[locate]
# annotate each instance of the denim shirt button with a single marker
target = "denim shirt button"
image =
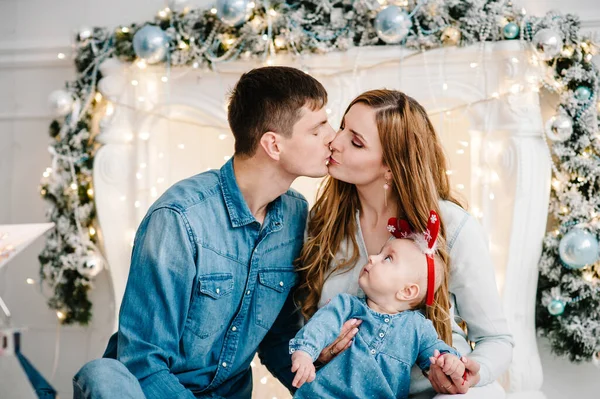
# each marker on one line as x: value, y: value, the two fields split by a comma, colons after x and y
x: 248, y: 292
x: 234, y: 328
x: 381, y: 335
x: 373, y: 351
x: 292, y: 350
x: 386, y: 320
x: 224, y: 364
x: 218, y: 290
x: 281, y: 283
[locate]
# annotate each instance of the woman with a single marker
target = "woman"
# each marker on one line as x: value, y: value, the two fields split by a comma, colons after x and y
x: 387, y: 161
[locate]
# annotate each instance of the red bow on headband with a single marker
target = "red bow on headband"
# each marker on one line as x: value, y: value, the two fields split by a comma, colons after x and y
x: 426, y: 240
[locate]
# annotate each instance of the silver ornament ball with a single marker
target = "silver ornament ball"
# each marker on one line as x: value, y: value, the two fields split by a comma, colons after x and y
x: 559, y: 128
x: 61, y: 102
x: 233, y: 12
x: 90, y: 267
x: 392, y: 24
x: 151, y: 44
x: 178, y: 5
x: 578, y: 248
x: 547, y: 43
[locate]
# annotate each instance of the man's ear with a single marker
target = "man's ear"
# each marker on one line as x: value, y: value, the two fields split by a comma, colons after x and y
x: 270, y: 143
x: 410, y: 292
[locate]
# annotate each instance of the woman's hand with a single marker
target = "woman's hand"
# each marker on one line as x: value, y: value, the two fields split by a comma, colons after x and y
x: 343, y: 342
x: 441, y: 383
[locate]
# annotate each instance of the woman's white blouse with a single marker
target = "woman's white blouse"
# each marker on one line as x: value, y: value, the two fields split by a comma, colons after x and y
x: 473, y: 294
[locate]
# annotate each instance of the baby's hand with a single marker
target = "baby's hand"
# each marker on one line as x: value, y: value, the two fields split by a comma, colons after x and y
x: 451, y: 365
x: 302, y: 365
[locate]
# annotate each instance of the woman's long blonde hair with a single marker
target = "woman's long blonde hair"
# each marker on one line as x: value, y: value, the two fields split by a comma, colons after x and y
x: 414, y: 155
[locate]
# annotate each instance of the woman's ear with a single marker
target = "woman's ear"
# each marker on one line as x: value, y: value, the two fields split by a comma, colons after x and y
x: 387, y: 175
x: 410, y: 292
x: 270, y: 143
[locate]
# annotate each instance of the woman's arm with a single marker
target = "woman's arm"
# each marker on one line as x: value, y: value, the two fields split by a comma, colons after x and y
x: 473, y: 284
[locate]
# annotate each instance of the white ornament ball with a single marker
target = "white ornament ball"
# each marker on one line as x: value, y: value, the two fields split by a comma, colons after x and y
x: 61, y: 102
x: 90, y: 267
x: 547, y: 43
x: 559, y: 128
x: 85, y: 33
x: 111, y: 87
x: 112, y: 66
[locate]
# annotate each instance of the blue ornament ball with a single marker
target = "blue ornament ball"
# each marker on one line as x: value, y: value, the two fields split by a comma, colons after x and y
x: 233, y: 12
x: 556, y: 307
x: 392, y: 24
x: 511, y: 31
x: 151, y: 44
x: 578, y: 248
x: 583, y: 93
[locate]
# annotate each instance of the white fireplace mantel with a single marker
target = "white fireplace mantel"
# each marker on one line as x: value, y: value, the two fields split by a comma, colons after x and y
x: 162, y: 131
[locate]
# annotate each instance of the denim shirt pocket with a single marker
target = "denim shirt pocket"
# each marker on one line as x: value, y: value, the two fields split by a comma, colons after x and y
x: 207, y: 313
x: 273, y: 289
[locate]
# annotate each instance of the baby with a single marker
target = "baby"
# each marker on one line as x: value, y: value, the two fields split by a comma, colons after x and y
x: 394, y: 334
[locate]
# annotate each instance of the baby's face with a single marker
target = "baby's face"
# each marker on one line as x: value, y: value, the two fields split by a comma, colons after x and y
x: 400, y: 263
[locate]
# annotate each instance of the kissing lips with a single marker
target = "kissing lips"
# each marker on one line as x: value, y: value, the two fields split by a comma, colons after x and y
x: 332, y: 161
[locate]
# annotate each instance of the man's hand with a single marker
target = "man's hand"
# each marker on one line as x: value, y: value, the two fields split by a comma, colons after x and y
x: 441, y: 383
x: 343, y: 342
x: 302, y: 365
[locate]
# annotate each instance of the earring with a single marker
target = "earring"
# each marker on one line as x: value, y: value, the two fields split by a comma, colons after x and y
x: 386, y: 187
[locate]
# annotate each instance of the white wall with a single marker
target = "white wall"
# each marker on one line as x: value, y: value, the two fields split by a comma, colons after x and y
x: 32, y: 32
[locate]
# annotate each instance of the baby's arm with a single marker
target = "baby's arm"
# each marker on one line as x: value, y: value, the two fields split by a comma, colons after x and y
x: 429, y: 342
x: 302, y: 365
x: 323, y: 328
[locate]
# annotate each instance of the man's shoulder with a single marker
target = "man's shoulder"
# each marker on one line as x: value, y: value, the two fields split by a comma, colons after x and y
x: 295, y: 206
x: 294, y: 196
x: 191, y: 191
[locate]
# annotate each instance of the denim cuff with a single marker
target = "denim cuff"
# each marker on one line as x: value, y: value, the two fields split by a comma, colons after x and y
x: 305, y: 346
x: 164, y: 384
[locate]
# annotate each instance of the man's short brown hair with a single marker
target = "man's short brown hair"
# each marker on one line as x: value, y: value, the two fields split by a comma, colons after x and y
x: 270, y: 99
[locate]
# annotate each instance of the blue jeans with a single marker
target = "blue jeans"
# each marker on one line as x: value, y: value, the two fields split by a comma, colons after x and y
x: 106, y: 379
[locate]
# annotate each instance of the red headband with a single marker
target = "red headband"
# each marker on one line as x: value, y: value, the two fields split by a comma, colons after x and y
x: 426, y: 241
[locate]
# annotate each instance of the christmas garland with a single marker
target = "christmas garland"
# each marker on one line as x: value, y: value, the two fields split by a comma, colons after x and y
x: 568, y: 311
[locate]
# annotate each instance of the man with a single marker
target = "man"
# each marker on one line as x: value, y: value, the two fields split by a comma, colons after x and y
x: 212, y: 265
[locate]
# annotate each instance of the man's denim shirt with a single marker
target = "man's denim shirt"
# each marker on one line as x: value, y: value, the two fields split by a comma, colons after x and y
x: 206, y: 285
